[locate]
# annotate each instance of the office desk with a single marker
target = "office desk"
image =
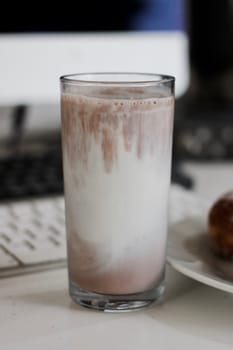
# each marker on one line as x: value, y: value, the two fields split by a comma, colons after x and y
x: 37, y: 313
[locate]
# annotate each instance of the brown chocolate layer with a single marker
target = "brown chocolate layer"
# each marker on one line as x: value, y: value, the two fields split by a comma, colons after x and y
x: 141, y: 124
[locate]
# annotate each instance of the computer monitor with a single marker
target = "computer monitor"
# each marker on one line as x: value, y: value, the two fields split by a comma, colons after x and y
x: 31, y: 64
x: 41, y: 44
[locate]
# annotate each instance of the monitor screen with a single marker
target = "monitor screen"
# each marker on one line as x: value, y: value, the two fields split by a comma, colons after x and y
x: 41, y: 43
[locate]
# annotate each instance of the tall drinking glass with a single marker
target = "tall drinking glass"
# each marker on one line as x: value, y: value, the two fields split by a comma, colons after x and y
x: 117, y: 140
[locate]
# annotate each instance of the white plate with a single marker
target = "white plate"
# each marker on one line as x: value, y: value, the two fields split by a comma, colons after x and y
x: 189, y: 252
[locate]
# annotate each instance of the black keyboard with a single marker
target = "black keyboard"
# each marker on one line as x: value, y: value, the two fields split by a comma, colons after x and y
x: 31, y: 175
x: 203, y: 131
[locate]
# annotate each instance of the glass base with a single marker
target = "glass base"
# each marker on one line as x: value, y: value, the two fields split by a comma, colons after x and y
x: 116, y: 303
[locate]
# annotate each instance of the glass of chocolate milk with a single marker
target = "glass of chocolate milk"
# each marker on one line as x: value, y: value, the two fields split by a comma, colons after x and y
x: 116, y: 140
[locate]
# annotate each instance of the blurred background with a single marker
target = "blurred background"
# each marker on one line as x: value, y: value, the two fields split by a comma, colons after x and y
x: 192, y: 40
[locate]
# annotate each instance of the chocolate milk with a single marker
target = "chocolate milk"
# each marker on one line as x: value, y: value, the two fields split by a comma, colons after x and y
x: 116, y: 158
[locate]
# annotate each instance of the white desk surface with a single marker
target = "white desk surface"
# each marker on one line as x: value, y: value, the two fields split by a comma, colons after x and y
x: 37, y: 313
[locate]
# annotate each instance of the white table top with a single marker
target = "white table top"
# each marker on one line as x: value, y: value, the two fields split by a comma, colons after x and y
x: 37, y: 313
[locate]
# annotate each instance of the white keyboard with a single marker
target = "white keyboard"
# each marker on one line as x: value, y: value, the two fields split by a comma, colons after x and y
x: 32, y: 233
x: 32, y: 236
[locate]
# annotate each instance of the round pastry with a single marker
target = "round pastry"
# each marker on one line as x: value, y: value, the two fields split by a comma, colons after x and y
x: 220, y: 225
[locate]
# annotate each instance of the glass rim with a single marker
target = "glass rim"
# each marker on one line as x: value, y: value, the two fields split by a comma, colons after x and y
x: 148, y: 80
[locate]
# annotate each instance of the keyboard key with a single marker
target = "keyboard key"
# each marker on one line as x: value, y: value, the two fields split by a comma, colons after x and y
x: 6, y: 260
x: 41, y: 255
x: 31, y: 236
